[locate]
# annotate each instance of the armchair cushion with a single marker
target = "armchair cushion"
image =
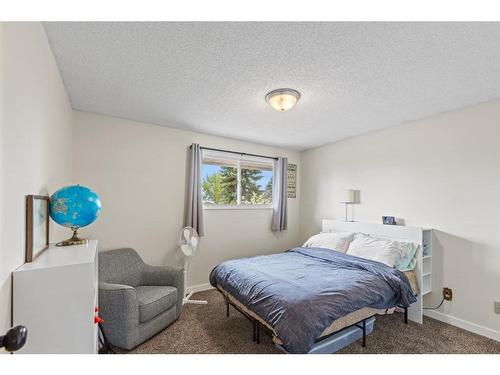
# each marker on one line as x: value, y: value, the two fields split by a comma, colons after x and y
x: 153, y: 300
x: 166, y: 276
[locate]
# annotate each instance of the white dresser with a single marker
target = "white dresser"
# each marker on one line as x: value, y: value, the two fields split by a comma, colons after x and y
x: 55, y: 297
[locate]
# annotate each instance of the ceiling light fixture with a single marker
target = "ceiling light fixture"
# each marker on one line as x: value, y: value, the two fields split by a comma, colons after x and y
x: 282, y: 99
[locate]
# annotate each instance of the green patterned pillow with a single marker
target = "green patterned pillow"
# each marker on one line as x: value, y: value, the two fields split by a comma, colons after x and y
x: 409, y: 261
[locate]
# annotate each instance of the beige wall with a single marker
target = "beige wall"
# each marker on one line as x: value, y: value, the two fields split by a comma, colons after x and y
x: 35, y: 129
x: 442, y: 172
x: 139, y: 170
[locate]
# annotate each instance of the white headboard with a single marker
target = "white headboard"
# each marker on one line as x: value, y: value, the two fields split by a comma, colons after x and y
x: 395, y: 232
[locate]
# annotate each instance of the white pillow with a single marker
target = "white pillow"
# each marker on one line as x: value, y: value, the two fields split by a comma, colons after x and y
x: 378, y: 249
x: 332, y: 241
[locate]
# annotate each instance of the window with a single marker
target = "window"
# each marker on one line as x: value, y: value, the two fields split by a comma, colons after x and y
x: 233, y: 180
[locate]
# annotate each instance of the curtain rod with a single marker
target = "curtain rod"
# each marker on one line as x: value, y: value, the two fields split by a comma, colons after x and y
x: 238, y: 153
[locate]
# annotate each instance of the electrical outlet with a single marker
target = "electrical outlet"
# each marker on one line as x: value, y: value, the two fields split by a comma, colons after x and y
x: 497, y: 307
x: 447, y: 294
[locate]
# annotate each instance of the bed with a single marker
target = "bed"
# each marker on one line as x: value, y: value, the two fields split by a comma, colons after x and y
x: 306, y: 295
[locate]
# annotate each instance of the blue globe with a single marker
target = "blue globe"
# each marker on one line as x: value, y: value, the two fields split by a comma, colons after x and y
x: 74, y: 206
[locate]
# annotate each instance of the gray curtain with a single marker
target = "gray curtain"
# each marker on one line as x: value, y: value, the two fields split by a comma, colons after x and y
x: 280, y: 195
x: 194, y: 203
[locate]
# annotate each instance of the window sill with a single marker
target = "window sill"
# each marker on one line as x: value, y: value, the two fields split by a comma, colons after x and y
x: 237, y: 207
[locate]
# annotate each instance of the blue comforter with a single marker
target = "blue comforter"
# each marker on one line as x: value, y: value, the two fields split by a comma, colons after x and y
x: 302, y: 291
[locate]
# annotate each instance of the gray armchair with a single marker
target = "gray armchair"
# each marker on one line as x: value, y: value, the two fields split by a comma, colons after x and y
x: 136, y: 300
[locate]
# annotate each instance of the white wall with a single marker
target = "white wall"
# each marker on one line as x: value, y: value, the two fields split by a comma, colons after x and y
x: 442, y: 172
x: 139, y: 170
x: 35, y: 129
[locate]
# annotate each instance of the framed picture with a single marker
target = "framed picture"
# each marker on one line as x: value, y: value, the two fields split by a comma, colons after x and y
x: 389, y: 220
x: 37, y: 225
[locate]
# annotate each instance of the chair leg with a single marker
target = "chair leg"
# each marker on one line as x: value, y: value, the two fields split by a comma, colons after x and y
x: 254, y: 326
x: 258, y: 333
x: 227, y: 308
x: 406, y: 315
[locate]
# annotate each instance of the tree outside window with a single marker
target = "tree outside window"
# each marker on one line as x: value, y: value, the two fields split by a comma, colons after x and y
x: 237, y: 181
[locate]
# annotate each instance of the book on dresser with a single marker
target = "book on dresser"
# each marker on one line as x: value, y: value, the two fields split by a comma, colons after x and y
x: 55, y: 297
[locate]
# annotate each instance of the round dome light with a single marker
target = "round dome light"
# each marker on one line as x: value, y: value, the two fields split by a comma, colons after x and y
x: 282, y: 99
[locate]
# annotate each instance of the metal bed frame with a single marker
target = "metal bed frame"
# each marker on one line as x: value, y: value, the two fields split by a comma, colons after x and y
x: 257, y: 325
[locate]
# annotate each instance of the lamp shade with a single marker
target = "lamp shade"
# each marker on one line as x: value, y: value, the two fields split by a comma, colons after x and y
x: 349, y: 196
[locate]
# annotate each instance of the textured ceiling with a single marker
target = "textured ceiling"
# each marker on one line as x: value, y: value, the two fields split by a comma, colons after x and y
x: 212, y: 77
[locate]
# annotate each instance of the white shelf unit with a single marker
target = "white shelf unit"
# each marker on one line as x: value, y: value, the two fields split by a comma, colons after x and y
x: 417, y: 235
x: 55, y: 297
x: 427, y: 262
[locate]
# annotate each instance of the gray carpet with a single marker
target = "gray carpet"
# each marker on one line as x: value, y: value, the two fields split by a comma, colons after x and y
x: 205, y: 329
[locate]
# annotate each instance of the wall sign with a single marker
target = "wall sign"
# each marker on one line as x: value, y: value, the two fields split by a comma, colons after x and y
x: 292, y: 180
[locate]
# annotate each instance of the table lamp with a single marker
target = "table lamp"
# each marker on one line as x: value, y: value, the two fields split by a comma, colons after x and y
x: 349, y: 198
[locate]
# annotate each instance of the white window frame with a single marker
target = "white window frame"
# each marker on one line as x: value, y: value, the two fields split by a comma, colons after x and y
x: 238, y: 158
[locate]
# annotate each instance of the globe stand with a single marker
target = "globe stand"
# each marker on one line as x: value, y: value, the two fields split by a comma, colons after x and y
x: 75, y: 240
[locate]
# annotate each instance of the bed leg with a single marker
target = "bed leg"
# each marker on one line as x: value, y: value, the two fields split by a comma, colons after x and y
x: 257, y: 335
x: 254, y: 325
x: 364, y: 333
x: 227, y: 308
x: 406, y: 315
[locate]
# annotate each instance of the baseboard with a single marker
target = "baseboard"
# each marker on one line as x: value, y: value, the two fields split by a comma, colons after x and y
x: 464, y: 324
x: 199, y: 288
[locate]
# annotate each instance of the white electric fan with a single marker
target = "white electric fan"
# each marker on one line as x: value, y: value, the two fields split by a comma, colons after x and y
x: 188, y: 243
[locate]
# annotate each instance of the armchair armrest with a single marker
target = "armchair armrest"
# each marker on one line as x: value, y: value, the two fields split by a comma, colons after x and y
x: 120, y: 310
x: 118, y: 305
x: 165, y: 276
x: 109, y: 287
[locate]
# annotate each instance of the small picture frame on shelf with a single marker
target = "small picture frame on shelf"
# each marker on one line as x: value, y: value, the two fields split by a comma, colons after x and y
x: 389, y: 220
x: 37, y: 226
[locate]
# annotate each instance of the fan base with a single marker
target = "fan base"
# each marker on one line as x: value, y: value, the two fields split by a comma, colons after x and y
x: 193, y: 301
